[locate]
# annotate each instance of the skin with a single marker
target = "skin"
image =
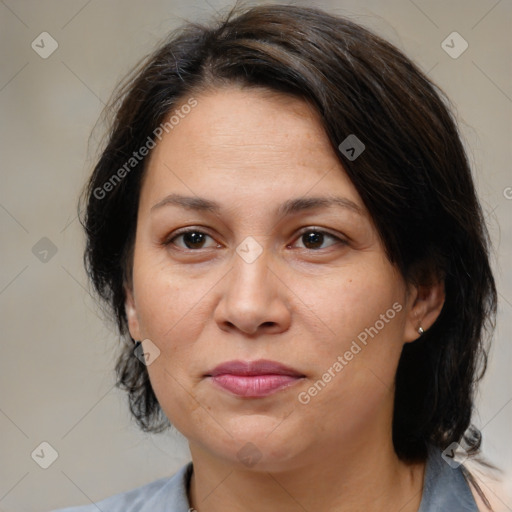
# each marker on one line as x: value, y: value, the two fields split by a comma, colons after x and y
x: 299, y: 303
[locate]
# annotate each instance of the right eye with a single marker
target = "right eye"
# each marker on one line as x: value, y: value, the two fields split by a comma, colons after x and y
x: 191, y: 239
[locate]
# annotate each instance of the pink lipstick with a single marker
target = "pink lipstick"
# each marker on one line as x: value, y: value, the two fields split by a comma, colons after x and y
x: 253, y: 379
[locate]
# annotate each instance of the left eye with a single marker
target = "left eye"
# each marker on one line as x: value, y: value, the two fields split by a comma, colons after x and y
x: 313, y: 239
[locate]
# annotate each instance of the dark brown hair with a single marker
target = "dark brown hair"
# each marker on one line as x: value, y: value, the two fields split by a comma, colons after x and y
x: 413, y: 177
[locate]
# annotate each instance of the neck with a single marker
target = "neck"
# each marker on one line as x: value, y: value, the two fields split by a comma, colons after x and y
x: 362, y: 476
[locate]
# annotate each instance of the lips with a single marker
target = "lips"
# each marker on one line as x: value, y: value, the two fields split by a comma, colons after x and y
x: 253, y: 379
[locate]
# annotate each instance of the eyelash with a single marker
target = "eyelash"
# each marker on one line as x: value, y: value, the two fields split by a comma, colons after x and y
x: 170, y: 240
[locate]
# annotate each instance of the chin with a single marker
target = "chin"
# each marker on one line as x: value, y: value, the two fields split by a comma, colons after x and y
x: 260, y: 444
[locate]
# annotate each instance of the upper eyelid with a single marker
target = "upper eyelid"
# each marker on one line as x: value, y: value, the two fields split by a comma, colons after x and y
x: 319, y: 230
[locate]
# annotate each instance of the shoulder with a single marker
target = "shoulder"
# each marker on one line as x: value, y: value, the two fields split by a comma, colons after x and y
x: 451, y: 485
x: 491, y: 485
x: 167, y: 494
x: 445, y: 485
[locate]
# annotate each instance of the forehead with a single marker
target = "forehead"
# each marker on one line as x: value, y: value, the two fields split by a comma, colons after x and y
x: 247, y: 139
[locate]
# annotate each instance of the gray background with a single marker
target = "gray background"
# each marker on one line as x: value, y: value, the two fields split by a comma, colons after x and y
x: 56, y: 370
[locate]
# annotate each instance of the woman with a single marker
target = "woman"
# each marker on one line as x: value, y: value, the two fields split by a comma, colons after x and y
x: 285, y: 224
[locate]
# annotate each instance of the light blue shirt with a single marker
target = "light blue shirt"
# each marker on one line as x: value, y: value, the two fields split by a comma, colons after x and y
x: 445, y: 489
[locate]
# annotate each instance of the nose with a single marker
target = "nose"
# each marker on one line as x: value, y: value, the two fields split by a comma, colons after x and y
x: 254, y: 298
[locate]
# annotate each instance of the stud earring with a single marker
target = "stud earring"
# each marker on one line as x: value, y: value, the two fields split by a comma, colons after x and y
x: 420, y: 330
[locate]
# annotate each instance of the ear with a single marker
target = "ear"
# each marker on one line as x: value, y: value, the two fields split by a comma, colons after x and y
x: 131, y: 314
x: 425, y: 305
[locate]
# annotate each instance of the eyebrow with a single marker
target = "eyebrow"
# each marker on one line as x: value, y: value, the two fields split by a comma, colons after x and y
x: 289, y: 207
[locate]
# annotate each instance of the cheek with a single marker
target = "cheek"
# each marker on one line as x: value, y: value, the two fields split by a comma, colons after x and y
x: 170, y: 314
x: 354, y: 299
x: 360, y: 318
x: 164, y: 299
x: 173, y: 310
x: 353, y: 358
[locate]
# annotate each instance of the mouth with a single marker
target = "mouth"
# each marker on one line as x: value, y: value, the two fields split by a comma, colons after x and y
x: 253, y: 379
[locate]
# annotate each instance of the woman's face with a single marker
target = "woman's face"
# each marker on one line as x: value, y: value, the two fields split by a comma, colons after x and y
x: 253, y: 176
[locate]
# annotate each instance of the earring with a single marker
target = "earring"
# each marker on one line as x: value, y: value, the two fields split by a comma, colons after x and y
x: 420, y: 330
x: 137, y: 344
